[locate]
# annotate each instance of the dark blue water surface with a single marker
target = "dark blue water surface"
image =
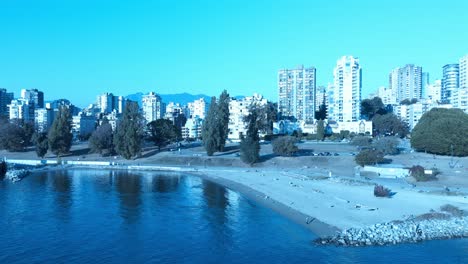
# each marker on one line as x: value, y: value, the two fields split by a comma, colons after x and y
x: 83, y: 216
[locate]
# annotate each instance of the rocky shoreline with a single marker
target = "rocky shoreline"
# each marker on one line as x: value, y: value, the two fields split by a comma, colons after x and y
x: 16, y: 175
x: 431, y: 226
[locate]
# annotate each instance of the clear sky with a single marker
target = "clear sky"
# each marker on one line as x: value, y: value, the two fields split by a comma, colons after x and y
x: 77, y: 49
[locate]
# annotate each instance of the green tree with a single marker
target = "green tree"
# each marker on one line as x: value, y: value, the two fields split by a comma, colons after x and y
x: 285, y: 146
x: 320, y: 129
x: 210, y: 131
x: 442, y: 131
x: 101, y: 140
x: 371, y: 107
x: 11, y: 137
x: 369, y: 157
x: 223, y: 120
x: 321, y: 114
x: 389, y: 125
x: 250, y: 144
x: 60, y: 135
x: 42, y: 143
x: 129, y: 132
x: 163, y: 132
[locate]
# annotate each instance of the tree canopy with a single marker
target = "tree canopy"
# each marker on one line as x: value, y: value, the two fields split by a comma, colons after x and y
x: 60, y: 135
x: 215, y: 129
x: 15, y: 135
x: 389, y: 125
x: 129, y: 132
x: 210, y: 131
x: 371, y: 107
x: 442, y: 131
x: 163, y: 132
x: 250, y: 143
x: 101, y: 140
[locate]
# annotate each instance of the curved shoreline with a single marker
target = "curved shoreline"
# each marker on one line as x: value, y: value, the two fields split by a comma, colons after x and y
x: 292, y: 199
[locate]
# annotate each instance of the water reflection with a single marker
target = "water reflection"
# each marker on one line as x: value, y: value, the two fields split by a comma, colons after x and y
x: 165, y: 184
x: 128, y: 187
x: 62, y: 185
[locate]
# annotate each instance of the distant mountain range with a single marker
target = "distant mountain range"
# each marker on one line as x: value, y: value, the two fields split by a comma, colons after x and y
x: 181, y: 98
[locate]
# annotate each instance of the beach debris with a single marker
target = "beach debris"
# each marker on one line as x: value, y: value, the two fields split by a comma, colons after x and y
x: 310, y: 220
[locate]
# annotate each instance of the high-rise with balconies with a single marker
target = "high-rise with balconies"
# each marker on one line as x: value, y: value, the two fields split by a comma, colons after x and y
x: 153, y: 107
x: 345, y: 97
x: 464, y: 72
x: 450, y: 82
x: 296, y: 93
x: 406, y: 82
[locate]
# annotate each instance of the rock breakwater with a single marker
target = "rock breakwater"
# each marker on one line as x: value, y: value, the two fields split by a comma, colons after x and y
x: 16, y: 175
x: 426, y: 227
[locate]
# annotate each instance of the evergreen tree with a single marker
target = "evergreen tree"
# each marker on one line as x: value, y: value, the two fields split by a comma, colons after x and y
x: 42, y: 144
x: 163, y: 132
x: 320, y: 129
x: 60, y: 135
x: 250, y: 144
x: 223, y: 120
x: 129, y: 132
x: 210, y: 131
x: 101, y: 140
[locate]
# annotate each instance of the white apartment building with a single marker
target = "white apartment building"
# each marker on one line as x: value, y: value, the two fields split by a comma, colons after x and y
x: 34, y: 97
x: 434, y: 91
x: 296, y: 93
x: 192, y: 128
x: 198, y: 108
x: 345, y: 95
x: 153, y: 107
x: 387, y: 95
x: 105, y: 102
x: 406, y: 82
x: 238, y: 109
x: 20, y: 109
x: 43, y: 118
x: 320, y: 97
x: 464, y: 71
x: 83, y: 125
x: 460, y: 99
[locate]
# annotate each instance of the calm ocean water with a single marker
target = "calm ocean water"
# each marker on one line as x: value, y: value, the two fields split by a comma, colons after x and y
x: 84, y: 216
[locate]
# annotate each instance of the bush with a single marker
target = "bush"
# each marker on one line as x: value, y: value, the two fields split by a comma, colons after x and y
x: 249, y: 150
x: 285, y: 146
x: 442, y: 131
x: 417, y: 172
x: 369, y: 157
x: 380, y: 191
x: 361, y: 141
x: 387, y: 145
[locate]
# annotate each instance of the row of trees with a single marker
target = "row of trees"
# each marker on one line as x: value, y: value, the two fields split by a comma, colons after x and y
x: 126, y: 140
x: 129, y: 134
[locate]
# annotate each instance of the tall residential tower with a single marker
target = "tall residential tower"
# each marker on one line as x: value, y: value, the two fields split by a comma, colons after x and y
x: 406, y: 82
x: 296, y: 93
x: 345, y: 95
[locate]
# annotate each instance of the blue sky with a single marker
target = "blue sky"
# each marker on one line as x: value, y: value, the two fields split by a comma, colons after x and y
x: 78, y: 49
